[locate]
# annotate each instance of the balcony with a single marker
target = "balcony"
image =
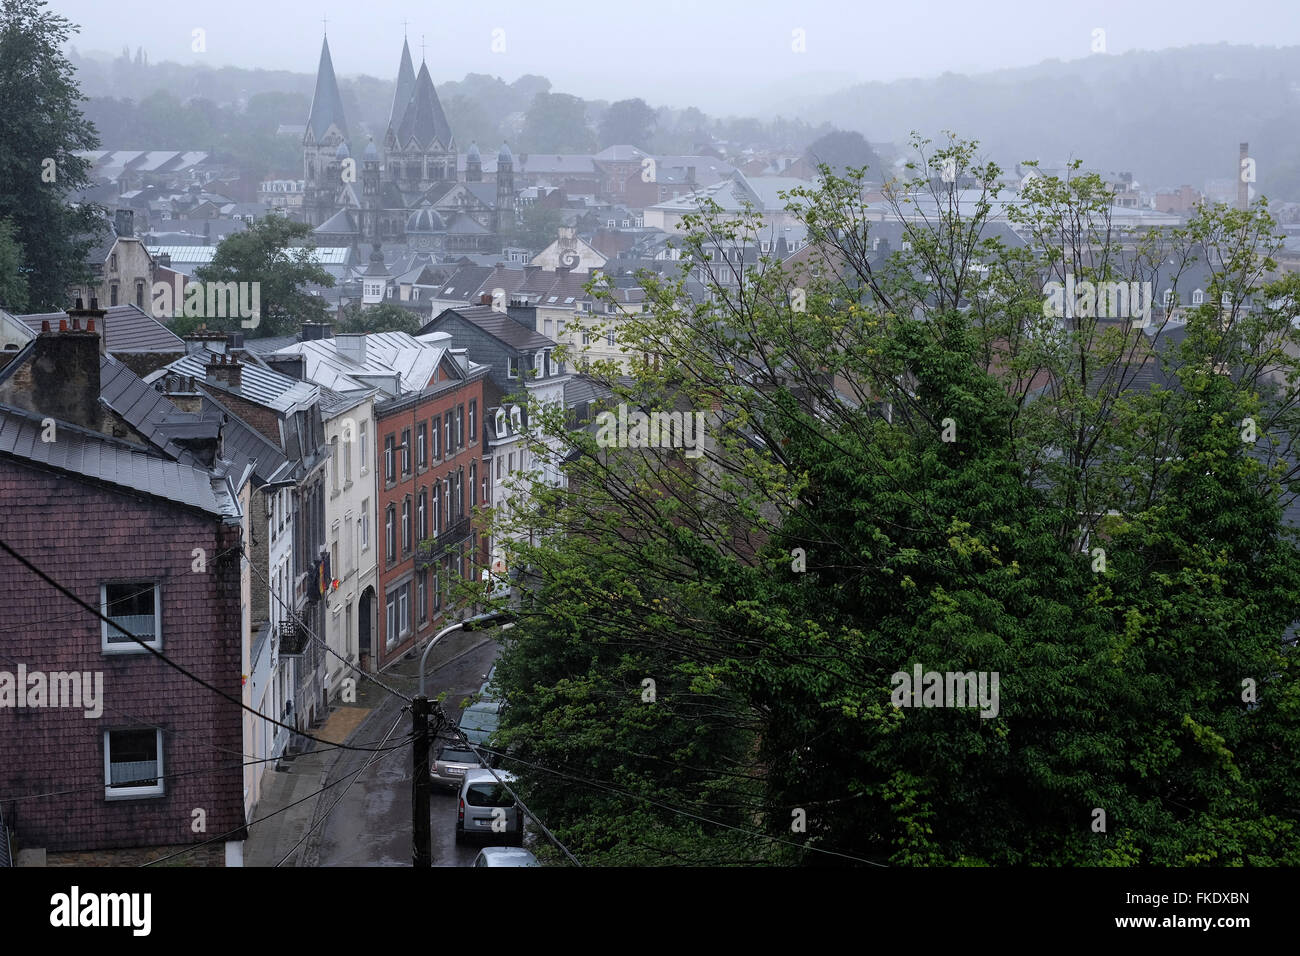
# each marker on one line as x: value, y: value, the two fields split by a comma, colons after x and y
x: 293, y: 636
x: 435, y: 547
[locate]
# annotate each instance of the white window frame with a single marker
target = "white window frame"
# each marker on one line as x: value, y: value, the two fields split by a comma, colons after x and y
x: 132, y: 793
x: 124, y: 646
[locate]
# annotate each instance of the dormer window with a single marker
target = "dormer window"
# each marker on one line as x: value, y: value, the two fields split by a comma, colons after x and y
x: 1198, y: 297
x: 1168, y: 298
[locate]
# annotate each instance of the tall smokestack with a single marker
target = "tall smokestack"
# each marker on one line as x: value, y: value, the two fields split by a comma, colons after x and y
x: 1245, y: 176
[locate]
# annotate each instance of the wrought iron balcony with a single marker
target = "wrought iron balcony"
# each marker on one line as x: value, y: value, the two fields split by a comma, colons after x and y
x: 293, y: 636
x: 436, y: 546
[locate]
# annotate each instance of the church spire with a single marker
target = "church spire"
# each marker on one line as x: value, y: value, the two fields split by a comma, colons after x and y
x: 326, y: 104
x: 423, y: 119
x: 405, y: 86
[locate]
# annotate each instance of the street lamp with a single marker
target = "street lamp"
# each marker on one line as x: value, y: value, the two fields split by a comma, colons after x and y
x: 421, y: 708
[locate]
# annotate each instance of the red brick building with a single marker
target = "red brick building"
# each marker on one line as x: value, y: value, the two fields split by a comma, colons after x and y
x: 430, y: 449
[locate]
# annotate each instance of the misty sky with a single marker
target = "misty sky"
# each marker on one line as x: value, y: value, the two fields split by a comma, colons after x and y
x: 721, y: 55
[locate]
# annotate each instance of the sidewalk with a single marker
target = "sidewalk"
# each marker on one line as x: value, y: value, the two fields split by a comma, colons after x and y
x: 288, y: 790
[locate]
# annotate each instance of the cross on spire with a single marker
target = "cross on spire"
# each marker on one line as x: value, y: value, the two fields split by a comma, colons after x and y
x: 405, y: 24
x: 325, y: 24
x: 421, y: 47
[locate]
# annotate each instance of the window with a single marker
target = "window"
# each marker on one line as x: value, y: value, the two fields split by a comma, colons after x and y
x: 437, y: 591
x: 112, y: 262
x: 404, y: 609
x: 1168, y: 297
x: 334, y: 464
x: 133, y: 764
x: 422, y: 594
x: 390, y: 636
x: 365, y: 448
x: 486, y: 498
x: 390, y: 532
x: 390, y: 463
x: 1198, y: 297
x: 547, y: 327
x: 139, y: 293
x: 512, y: 367
x: 460, y: 426
x: 1225, y: 300
x: 347, y: 458
x: 473, y: 421
x: 609, y: 337
x: 434, y: 433
x: 406, y: 451
x: 422, y: 514
x: 437, y: 509
x: 112, y: 294
x: 473, y: 485
x: 422, y: 445
x: 135, y: 607
x: 406, y: 525
x: 501, y: 463
x: 586, y: 336
x: 365, y: 525
x: 460, y: 493
x: 446, y: 435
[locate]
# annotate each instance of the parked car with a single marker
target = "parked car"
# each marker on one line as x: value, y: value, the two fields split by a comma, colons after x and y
x: 505, y: 856
x: 484, y: 802
x: 479, y: 724
x: 449, y: 766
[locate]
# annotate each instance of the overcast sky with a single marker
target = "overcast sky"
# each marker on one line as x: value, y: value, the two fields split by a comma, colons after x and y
x: 721, y: 55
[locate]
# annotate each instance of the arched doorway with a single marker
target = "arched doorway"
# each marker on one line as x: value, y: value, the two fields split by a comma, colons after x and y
x: 365, y: 626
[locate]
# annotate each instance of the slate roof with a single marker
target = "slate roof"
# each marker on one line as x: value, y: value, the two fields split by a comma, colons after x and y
x: 496, y: 324
x: 257, y: 384
x: 88, y: 454
x: 386, y: 353
x: 241, y: 443
x: 342, y: 223
x: 147, y: 410
x: 129, y: 329
x: 326, y: 104
x: 423, y: 119
x: 405, y: 87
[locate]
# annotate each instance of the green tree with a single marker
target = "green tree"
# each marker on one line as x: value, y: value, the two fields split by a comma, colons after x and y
x: 13, y: 276
x: 277, y: 255
x: 536, y: 227
x: 843, y: 150
x: 379, y: 318
x: 42, y: 130
x: 627, y: 121
x: 556, y: 123
x: 911, y: 462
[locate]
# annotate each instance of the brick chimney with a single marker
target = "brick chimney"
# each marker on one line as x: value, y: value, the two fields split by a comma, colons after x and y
x: 485, y: 298
x: 124, y: 222
x: 182, y: 391
x: 65, y: 368
x: 224, y: 371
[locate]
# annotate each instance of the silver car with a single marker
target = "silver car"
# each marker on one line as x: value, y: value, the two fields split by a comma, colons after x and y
x: 505, y: 856
x: 486, y: 810
x: 449, y: 766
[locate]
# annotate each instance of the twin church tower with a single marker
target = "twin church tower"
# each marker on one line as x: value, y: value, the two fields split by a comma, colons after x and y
x: 408, y: 179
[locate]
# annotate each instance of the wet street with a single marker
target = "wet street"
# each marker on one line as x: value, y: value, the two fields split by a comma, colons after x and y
x: 371, y: 825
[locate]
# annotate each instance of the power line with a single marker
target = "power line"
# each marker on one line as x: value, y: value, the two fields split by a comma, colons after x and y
x: 444, y: 722
x: 172, y: 776
x: 155, y: 652
x: 687, y: 813
x: 358, y: 773
x: 325, y: 644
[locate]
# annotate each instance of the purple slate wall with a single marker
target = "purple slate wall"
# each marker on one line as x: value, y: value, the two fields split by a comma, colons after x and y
x: 82, y: 534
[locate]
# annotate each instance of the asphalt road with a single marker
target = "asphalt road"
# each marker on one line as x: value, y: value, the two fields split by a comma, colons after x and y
x: 371, y: 825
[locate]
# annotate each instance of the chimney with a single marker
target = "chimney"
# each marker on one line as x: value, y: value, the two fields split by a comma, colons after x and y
x: 353, y: 345
x: 225, y: 371
x: 183, y: 392
x: 65, y: 369
x: 315, y: 331
x: 163, y: 259
x: 1243, y: 187
x: 690, y: 174
x: 124, y: 222
x: 485, y: 298
x: 290, y: 366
